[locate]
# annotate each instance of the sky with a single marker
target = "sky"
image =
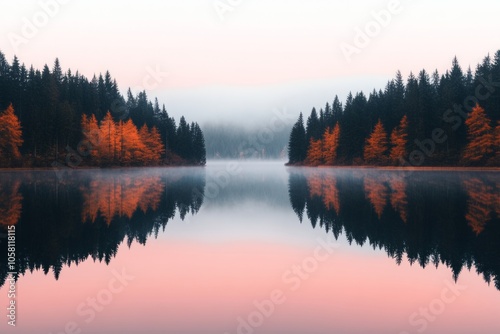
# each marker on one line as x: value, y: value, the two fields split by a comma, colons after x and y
x: 240, y: 60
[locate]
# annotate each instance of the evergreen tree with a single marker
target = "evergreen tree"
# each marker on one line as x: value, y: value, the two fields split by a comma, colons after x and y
x: 496, y: 145
x: 313, y: 128
x: 199, y: 150
x: 184, y: 140
x: 297, y: 149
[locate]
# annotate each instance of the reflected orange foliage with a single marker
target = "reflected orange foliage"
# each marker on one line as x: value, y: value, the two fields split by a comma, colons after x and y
x: 482, y: 203
x: 331, y: 197
x: 120, y: 196
x: 377, y: 192
x: 399, y: 200
x: 315, y: 184
x: 325, y: 186
x: 10, y: 203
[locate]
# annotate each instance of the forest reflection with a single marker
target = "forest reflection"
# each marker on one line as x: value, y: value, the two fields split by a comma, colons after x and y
x: 429, y: 217
x: 90, y: 213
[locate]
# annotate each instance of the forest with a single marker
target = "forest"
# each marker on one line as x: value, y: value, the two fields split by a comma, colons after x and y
x: 55, y: 118
x: 432, y: 119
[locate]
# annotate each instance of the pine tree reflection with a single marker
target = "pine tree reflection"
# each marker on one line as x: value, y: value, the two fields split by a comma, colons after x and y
x: 89, y: 214
x: 433, y: 217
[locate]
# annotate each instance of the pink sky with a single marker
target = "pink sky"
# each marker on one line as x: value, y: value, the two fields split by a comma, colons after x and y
x: 259, y: 47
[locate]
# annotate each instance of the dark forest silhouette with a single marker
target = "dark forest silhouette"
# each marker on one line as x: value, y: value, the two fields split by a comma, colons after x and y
x: 432, y: 120
x: 51, y: 108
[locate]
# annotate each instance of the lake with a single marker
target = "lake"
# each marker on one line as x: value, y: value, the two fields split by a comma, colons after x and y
x: 251, y: 247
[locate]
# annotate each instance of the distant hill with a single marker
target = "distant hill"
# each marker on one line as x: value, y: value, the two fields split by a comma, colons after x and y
x: 237, y: 142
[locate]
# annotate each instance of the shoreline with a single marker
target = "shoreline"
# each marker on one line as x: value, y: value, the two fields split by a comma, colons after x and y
x: 46, y: 169
x: 412, y: 168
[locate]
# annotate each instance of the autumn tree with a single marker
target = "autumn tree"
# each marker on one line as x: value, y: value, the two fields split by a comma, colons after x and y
x: 153, y: 144
x: 331, y: 144
x: 399, y: 140
x: 315, y: 152
x: 109, y: 144
x: 479, y: 136
x: 375, y: 149
x: 132, y: 147
x: 10, y: 135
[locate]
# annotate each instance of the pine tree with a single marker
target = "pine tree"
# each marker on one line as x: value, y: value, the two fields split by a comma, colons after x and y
x: 10, y: 136
x: 496, y: 145
x: 375, y: 149
x: 331, y: 145
x: 399, y: 140
x: 297, y: 145
x: 479, y: 136
x: 199, y: 150
x: 313, y: 129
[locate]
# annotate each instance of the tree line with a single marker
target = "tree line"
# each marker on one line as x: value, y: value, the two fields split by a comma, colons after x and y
x: 46, y: 113
x: 431, y: 120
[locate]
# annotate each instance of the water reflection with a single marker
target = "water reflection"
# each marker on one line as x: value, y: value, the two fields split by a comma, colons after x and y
x: 430, y: 217
x: 10, y: 202
x: 64, y: 221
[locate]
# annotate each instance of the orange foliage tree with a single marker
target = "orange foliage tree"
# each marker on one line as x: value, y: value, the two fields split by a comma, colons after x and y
x: 109, y: 146
x: 315, y: 152
x: 375, y: 149
x: 131, y: 144
x: 399, y: 140
x: 120, y: 143
x: 153, y: 144
x: 331, y: 144
x: 479, y: 135
x: 11, y: 135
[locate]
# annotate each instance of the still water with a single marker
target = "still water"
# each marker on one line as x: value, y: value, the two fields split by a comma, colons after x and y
x: 251, y: 247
